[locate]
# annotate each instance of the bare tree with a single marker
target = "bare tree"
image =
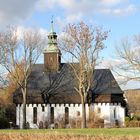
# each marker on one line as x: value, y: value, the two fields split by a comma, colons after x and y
x: 17, y: 49
x: 55, y: 83
x: 128, y: 54
x: 84, y: 44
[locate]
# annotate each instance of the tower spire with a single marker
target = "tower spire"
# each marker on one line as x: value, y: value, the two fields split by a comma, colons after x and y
x: 52, y: 54
x: 52, y: 27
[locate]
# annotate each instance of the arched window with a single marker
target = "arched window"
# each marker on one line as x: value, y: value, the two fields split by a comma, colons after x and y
x: 43, y: 108
x: 114, y: 113
x: 35, y: 115
x: 52, y: 115
x: 66, y: 115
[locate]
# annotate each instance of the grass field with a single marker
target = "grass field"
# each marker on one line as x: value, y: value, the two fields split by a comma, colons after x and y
x: 72, y: 134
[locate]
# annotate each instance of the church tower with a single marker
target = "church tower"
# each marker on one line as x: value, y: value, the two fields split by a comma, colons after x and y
x: 52, y: 55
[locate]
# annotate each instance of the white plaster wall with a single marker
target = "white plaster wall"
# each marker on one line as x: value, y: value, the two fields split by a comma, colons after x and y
x: 59, y: 112
x: 121, y: 116
x: 42, y: 116
x: 29, y: 111
x: 19, y: 115
x: 107, y: 113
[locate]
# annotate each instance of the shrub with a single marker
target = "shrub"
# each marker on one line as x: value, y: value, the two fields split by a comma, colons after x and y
x: 95, y: 121
x: 4, y: 123
x: 46, y: 124
x: 127, y: 119
x: 132, y: 121
x: 138, y: 117
x: 78, y: 123
x: 73, y: 123
x: 62, y: 123
x: 98, y: 123
x: 56, y: 125
x: 40, y: 125
x: 7, y: 114
x: 27, y: 125
x: 133, y: 124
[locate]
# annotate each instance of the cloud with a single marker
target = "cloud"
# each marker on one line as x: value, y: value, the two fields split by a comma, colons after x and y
x: 75, y: 10
x: 111, y: 2
x: 14, y: 11
x: 110, y: 63
x: 45, y: 4
x: 130, y: 9
x: 17, y: 11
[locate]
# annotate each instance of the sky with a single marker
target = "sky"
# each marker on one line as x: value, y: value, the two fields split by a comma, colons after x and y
x: 121, y: 17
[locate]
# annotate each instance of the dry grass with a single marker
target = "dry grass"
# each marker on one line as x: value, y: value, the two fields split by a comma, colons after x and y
x: 72, y: 134
x: 42, y: 136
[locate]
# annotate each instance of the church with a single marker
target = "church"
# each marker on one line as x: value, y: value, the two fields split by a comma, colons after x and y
x: 51, y: 97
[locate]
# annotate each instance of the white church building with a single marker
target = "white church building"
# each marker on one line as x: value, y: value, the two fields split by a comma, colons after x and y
x: 51, y: 96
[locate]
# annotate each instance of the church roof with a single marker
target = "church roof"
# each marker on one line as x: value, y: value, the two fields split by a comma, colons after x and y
x: 58, y: 87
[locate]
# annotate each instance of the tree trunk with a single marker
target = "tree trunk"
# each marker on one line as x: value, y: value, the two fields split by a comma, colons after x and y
x: 24, y: 92
x: 83, y: 113
x: 24, y: 115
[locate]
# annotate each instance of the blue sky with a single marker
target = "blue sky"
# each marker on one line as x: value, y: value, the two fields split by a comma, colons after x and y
x: 122, y: 17
x: 119, y: 16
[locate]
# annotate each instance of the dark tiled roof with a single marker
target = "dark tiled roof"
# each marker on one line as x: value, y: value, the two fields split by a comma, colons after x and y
x: 59, y: 87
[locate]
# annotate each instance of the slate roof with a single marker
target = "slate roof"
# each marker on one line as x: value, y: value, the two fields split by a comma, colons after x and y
x: 59, y: 87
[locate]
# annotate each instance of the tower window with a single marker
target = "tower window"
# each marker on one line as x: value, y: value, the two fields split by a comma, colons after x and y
x: 35, y: 115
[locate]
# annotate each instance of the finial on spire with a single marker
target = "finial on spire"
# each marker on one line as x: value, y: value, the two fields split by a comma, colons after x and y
x: 52, y: 28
